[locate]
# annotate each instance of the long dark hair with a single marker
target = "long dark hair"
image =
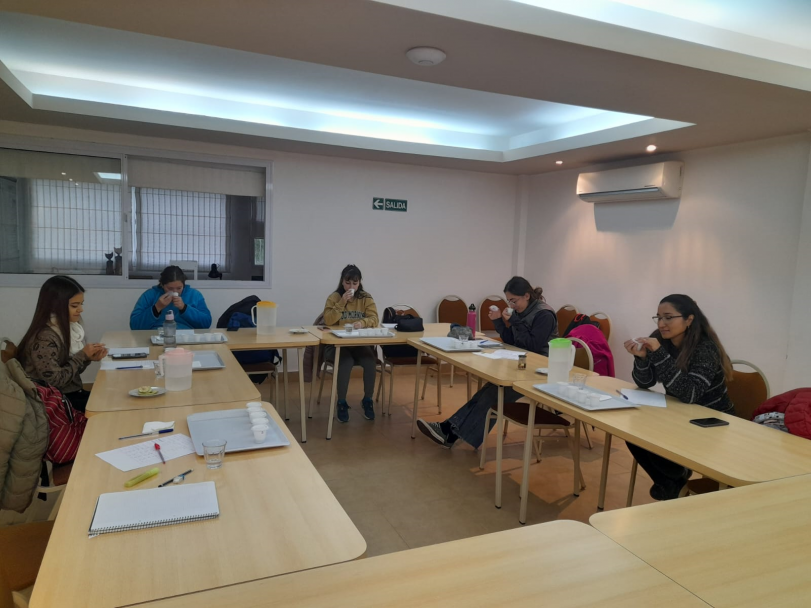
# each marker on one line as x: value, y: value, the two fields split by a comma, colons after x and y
x: 171, y: 274
x: 520, y: 286
x: 54, y: 298
x: 698, y: 331
x: 350, y: 273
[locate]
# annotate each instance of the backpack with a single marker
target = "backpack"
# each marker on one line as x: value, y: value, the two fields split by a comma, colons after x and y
x: 66, y: 425
x: 405, y: 322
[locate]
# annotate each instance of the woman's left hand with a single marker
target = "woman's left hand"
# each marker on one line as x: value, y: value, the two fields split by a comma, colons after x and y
x: 652, y: 344
x: 505, y: 316
x: 357, y: 325
x: 178, y: 302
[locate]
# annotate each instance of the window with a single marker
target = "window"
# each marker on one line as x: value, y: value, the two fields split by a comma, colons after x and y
x: 65, y: 213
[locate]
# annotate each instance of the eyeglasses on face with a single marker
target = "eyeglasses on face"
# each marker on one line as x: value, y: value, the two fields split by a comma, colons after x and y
x: 666, y: 318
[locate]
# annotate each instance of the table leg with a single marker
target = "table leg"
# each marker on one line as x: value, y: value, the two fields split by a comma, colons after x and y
x: 314, y: 378
x: 332, y: 396
x: 522, y: 514
x: 576, y: 457
x: 286, y: 387
x: 302, y: 401
x: 416, y: 395
x: 604, y: 474
x: 499, y: 444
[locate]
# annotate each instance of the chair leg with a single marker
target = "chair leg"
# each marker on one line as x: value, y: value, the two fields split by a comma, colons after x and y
x: 538, y: 447
x: 321, y: 388
x: 425, y: 385
x: 483, y: 447
x: 452, y: 370
x: 391, y: 387
x: 468, y: 380
x: 479, y: 387
x: 382, y: 376
x: 578, y: 472
x: 631, y: 483
x: 586, y: 431
x: 506, y: 422
x: 438, y: 389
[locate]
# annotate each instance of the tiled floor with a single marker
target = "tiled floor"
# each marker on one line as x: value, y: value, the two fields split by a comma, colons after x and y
x: 404, y: 493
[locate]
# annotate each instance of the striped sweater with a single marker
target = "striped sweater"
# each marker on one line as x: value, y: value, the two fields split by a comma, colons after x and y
x: 703, y: 382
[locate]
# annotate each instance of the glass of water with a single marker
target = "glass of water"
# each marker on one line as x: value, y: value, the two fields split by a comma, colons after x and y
x: 214, y: 452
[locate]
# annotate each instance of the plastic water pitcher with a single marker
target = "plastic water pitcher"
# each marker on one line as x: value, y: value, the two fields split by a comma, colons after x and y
x: 263, y: 316
x: 561, y: 360
x: 176, y: 367
x: 471, y: 319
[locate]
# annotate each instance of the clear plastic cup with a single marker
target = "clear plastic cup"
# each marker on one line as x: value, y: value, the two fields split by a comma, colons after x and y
x: 214, y: 452
x: 579, y: 380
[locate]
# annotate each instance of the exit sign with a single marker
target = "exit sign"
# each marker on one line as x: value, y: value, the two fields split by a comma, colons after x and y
x: 389, y: 204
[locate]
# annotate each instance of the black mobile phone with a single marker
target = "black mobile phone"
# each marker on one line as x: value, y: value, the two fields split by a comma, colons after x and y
x: 232, y: 328
x: 708, y: 422
x: 130, y: 356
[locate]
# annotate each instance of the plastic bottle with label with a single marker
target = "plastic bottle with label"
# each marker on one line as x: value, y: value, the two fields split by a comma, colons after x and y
x: 170, y: 330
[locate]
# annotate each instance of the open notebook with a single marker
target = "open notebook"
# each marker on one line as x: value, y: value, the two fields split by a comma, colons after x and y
x: 139, y: 509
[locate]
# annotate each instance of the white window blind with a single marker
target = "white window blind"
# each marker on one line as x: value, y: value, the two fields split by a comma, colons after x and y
x: 197, y: 177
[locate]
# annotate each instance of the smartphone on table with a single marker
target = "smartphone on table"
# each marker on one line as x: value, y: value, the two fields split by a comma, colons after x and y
x: 708, y: 422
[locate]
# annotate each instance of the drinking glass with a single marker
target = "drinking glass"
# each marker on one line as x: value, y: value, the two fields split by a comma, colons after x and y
x: 214, y: 452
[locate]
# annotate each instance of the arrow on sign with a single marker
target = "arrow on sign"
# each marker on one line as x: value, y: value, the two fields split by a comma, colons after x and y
x: 377, y: 203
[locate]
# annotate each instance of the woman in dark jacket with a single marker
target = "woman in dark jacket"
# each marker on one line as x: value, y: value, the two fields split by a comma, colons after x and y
x: 686, y: 356
x: 531, y: 325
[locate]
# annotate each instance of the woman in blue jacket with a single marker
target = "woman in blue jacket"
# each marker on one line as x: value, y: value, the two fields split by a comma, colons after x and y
x: 171, y: 293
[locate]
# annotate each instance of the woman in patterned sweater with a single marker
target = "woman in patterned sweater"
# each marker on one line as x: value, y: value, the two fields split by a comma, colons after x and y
x: 686, y: 356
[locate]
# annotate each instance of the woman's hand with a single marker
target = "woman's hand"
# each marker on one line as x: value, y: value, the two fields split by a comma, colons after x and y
x: 652, y: 344
x: 348, y: 295
x: 494, y: 314
x: 95, y: 352
x: 163, y: 301
x: 637, y: 347
x: 357, y: 325
x: 178, y: 302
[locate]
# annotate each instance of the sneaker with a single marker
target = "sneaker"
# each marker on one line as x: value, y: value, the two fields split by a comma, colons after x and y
x: 434, y: 432
x: 368, y: 409
x: 343, y: 411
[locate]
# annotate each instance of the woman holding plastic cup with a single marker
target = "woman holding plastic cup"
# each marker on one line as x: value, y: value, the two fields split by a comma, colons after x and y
x: 529, y: 323
x: 171, y: 294
x: 350, y: 303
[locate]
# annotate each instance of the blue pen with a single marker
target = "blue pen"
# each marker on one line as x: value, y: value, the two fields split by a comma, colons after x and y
x: 161, y: 432
x: 621, y: 395
x: 132, y: 367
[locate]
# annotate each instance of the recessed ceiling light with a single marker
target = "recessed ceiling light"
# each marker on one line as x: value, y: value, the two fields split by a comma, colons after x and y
x: 71, y: 179
x: 426, y: 55
x: 558, y: 162
x: 651, y: 148
x: 63, y: 173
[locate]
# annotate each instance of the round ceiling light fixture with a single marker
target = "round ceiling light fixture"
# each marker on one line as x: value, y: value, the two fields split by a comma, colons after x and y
x: 558, y: 162
x: 651, y: 148
x: 426, y: 56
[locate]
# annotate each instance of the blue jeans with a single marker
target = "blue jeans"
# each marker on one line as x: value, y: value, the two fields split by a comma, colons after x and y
x: 468, y: 422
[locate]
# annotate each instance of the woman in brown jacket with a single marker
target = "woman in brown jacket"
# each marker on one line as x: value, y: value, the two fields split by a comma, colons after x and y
x: 53, y: 348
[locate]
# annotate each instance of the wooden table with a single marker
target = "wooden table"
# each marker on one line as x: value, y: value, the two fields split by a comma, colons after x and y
x: 110, y: 389
x: 328, y: 338
x: 501, y: 372
x: 277, y: 516
x: 744, y: 548
x: 736, y: 455
x: 564, y: 564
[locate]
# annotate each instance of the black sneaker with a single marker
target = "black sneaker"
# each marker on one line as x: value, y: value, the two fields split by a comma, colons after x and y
x: 368, y: 409
x: 343, y: 411
x: 434, y: 432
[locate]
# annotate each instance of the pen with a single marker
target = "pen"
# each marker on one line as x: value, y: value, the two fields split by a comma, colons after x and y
x: 148, y: 434
x: 619, y: 392
x: 182, y: 475
x: 142, y: 477
x: 132, y: 367
x: 158, y: 448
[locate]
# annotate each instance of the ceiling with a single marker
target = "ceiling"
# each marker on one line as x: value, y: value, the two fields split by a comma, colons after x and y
x: 520, y: 89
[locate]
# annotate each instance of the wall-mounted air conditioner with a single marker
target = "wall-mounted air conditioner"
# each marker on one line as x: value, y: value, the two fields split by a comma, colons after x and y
x: 644, y: 183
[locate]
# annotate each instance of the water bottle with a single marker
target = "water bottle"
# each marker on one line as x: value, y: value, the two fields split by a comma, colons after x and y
x: 471, y: 318
x: 169, y: 330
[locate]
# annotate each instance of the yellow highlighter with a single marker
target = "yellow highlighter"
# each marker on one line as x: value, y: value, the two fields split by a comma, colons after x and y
x: 142, y: 477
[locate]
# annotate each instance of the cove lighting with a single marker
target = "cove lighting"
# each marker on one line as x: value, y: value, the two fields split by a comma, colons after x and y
x: 651, y: 148
x: 558, y: 162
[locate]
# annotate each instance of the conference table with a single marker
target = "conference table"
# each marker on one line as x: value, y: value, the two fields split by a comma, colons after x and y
x: 277, y: 515
x: 244, y: 339
x: 110, y: 388
x: 500, y: 372
x: 743, y: 548
x: 739, y: 454
x: 564, y: 564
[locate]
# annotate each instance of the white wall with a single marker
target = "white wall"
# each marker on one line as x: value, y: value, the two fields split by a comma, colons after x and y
x: 731, y: 242
x: 456, y: 237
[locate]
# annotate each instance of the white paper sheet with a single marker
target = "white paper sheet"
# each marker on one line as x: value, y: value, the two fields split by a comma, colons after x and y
x: 144, y: 454
x: 128, y: 364
x: 151, y: 427
x: 644, y: 397
x: 137, y: 350
x: 502, y: 354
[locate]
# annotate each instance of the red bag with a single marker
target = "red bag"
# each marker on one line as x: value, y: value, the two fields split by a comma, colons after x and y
x: 66, y: 425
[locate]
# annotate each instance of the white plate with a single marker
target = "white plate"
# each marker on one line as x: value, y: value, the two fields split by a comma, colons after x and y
x: 542, y: 370
x: 298, y: 330
x: 161, y: 391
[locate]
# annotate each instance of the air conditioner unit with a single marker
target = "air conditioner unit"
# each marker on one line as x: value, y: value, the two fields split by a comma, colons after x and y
x: 644, y: 183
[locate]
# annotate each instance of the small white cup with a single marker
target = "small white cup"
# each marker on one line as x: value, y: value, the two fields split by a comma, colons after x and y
x: 260, y: 431
x: 255, y: 404
x: 594, y: 399
x: 582, y: 395
x: 258, y: 417
x: 494, y: 308
x: 509, y: 311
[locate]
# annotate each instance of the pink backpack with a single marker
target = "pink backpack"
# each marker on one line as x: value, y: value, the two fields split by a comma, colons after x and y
x: 65, y: 423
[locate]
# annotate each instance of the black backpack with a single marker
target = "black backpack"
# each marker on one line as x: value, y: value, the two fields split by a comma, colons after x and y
x: 405, y: 322
x: 248, y: 357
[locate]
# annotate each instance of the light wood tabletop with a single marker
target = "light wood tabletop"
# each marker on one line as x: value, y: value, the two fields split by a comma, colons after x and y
x: 744, y: 547
x: 564, y: 564
x: 277, y: 515
x: 111, y: 388
x: 501, y: 372
x: 739, y: 454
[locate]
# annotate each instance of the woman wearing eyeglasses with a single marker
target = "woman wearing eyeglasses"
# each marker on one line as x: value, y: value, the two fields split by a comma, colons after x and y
x: 686, y: 356
x: 530, y: 325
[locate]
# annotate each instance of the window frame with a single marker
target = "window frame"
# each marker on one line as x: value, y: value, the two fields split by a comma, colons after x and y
x: 121, y: 153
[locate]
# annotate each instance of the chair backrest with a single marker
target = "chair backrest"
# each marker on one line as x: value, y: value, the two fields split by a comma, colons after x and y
x: 485, y: 324
x: 605, y: 323
x: 185, y: 265
x: 451, y: 309
x: 565, y: 314
x: 747, y: 389
x: 582, y: 356
x: 405, y: 309
x: 9, y: 350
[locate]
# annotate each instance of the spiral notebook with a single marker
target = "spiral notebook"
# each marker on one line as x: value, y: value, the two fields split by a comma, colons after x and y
x: 140, y: 509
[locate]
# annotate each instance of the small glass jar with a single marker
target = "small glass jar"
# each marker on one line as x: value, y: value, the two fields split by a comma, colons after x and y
x: 522, y: 362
